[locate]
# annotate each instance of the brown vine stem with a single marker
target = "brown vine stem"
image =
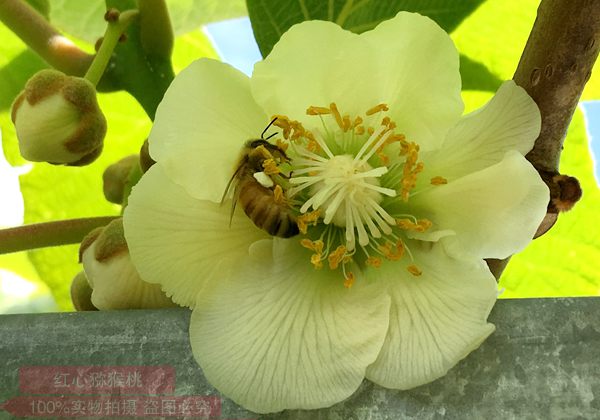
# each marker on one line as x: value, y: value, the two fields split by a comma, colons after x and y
x: 554, y: 68
x: 40, y: 235
x: 43, y: 38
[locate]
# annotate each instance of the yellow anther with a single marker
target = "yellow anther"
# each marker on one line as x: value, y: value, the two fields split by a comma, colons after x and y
x: 376, y: 109
x: 315, y: 260
x: 347, y: 123
x: 398, y: 137
x: 359, y: 129
x: 370, y: 130
x: 291, y: 129
x: 316, y: 246
x: 423, y: 225
x: 385, y: 160
x: 336, y: 257
x: 349, y: 280
x: 357, y: 122
x: 398, y: 252
x: 283, y: 122
x: 337, y: 115
x: 306, y: 219
x: 318, y: 110
x: 270, y: 166
x: 282, y: 144
x: 313, y: 146
x: 414, y: 270
x: 392, y: 252
x: 307, y: 243
x: 386, y: 121
x: 438, y: 180
x: 278, y: 196
x: 385, y: 249
x: 374, y: 262
x: 406, y: 224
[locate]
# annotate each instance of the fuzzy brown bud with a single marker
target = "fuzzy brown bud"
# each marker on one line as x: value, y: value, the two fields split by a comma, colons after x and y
x: 116, y: 176
x: 58, y: 120
x: 115, y: 282
x: 145, y: 160
x: 81, y: 293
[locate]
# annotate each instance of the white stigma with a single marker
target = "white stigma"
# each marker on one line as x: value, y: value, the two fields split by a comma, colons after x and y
x: 348, y: 192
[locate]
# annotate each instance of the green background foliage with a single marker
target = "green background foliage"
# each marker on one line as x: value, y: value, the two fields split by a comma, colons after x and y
x: 490, y: 35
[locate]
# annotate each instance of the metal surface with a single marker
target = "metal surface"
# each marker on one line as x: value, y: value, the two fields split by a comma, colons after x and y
x: 543, y: 361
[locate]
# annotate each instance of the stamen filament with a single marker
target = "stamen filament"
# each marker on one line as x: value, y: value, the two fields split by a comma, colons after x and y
x: 374, y: 136
x: 381, y: 141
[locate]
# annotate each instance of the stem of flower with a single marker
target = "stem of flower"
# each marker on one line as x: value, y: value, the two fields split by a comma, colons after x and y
x: 43, y: 38
x: 40, y: 235
x: 156, y: 31
x: 554, y: 68
x: 114, y: 30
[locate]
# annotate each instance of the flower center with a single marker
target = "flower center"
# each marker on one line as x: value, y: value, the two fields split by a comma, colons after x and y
x: 347, y: 191
x: 350, y: 183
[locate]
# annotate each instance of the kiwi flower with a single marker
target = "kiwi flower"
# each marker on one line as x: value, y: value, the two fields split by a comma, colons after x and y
x: 398, y: 200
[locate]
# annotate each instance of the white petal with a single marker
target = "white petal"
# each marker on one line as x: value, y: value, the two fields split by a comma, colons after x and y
x: 436, y: 319
x: 417, y: 75
x: 201, y: 125
x: 283, y: 335
x: 316, y: 63
x: 509, y: 121
x: 494, y: 212
x: 180, y: 242
x: 297, y: 74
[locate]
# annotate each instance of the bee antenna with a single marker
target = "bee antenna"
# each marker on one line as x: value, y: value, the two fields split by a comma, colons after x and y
x: 274, y: 134
x: 262, y: 136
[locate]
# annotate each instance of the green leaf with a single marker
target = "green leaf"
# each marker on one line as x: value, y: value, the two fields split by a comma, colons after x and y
x: 496, y: 33
x: 564, y: 262
x: 592, y: 88
x: 84, y: 19
x: 271, y: 18
x: 476, y: 76
x: 81, y: 19
x: 42, y: 6
x: 188, y: 15
x: 14, y: 75
x: 190, y: 47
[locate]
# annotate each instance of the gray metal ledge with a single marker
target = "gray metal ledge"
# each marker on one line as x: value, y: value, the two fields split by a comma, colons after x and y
x: 543, y: 361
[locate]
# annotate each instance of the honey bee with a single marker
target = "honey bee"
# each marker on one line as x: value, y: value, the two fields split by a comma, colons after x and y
x: 259, y: 202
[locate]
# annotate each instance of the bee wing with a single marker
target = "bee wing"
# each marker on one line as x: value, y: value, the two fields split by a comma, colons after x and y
x: 233, y: 181
x: 234, y: 201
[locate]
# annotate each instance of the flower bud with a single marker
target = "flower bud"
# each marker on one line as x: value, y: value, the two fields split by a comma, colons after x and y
x: 58, y: 120
x: 145, y: 160
x: 115, y: 282
x: 81, y: 293
x: 116, y: 177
